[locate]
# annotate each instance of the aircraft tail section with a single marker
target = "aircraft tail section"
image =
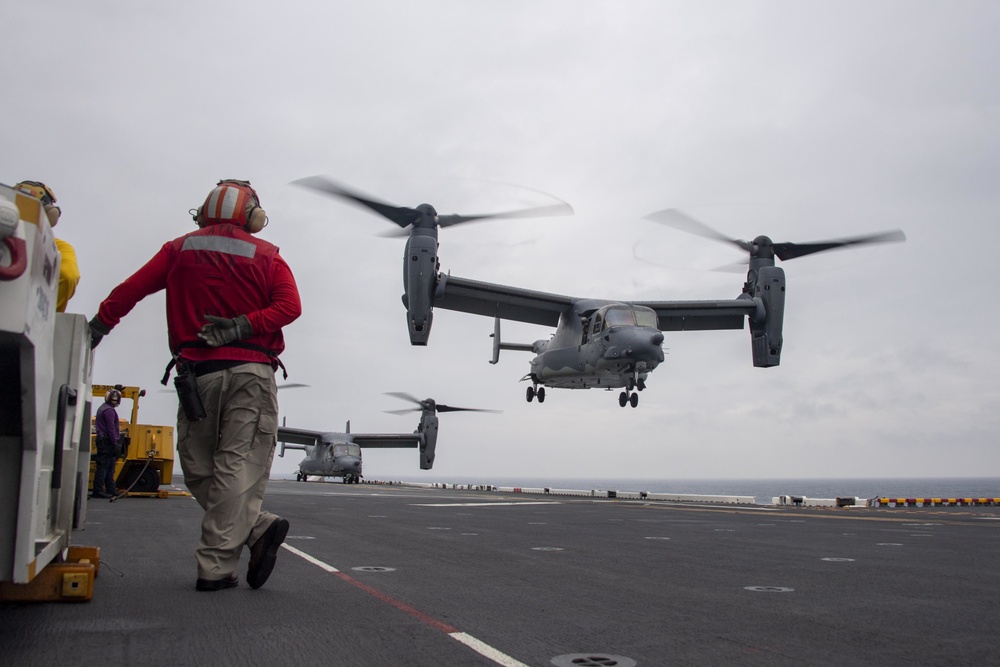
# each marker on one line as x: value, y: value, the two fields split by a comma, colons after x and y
x: 500, y: 345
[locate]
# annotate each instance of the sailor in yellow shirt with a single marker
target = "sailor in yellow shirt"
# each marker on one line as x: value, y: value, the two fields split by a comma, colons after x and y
x: 69, y: 271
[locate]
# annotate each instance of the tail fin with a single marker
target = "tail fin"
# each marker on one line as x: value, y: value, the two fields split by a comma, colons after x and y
x: 498, y: 345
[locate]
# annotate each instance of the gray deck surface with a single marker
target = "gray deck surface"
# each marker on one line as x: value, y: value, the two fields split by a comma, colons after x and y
x: 533, y: 580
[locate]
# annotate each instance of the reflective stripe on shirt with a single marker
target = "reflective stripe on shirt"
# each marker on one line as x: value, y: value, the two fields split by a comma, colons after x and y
x: 223, y: 244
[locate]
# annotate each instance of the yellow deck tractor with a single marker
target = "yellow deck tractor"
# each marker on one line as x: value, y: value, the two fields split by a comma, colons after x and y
x: 147, y: 458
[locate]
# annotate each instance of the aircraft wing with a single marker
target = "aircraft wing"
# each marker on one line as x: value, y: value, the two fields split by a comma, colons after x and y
x: 297, y: 438
x: 700, y: 315
x: 523, y: 305
x: 507, y: 303
x: 386, y: 440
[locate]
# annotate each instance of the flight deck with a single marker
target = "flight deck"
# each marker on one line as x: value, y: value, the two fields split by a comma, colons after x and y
x: 392, y: 575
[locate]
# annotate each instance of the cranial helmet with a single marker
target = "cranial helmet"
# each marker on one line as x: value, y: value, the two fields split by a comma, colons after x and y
x: 42, y: 192
x: 233, y: 202
x: 114, y: 397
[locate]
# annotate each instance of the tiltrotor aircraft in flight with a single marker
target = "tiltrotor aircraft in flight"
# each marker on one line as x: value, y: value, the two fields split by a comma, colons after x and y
x: 597, y: 343
x: 333, y: 454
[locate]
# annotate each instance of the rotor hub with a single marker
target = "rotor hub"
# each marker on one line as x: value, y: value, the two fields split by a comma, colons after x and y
x: 763, y: 248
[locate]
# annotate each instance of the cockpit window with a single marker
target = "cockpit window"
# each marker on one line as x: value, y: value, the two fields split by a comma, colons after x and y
x: 645, y: 317
x: 617, y: 317
x: 624, y: 316
x: 347, y: 450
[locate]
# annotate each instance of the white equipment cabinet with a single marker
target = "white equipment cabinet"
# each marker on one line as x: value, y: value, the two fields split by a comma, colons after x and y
x: 45, y: 367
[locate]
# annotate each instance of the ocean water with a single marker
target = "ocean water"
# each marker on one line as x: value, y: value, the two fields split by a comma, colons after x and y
x: 763, y: 490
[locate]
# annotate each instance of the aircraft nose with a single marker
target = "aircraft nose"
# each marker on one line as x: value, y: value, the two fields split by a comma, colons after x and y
x: 637, y: 344
x: 648, y: 349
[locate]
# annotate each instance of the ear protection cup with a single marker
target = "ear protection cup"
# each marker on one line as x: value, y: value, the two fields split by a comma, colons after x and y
x: 53, y: 213
x: 256, y: 220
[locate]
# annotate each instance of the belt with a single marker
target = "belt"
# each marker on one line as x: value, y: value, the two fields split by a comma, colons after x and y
x: 200, y: 368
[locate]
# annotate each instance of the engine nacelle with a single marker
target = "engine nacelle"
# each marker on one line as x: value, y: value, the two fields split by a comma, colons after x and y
x: 428, y: 428
x: 766, y: 334
x: 419, y: 273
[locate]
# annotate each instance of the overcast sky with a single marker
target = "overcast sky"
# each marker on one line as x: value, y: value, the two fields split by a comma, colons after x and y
x: 800, y: 120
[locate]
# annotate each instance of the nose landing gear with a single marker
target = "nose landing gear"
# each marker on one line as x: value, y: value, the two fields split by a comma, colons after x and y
x: 628, y: 397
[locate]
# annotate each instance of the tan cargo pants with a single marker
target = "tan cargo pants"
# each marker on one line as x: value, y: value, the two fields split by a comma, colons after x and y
x: 226, y: 459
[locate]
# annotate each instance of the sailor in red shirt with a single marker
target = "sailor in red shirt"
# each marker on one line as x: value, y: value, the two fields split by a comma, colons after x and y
x: 228, y: 295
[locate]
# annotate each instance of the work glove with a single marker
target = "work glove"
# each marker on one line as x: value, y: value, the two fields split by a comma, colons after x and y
x: 223, y: 330
x: 98, y: 330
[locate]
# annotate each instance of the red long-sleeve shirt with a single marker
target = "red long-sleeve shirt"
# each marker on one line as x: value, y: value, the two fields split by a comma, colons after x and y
x: 217, y: 270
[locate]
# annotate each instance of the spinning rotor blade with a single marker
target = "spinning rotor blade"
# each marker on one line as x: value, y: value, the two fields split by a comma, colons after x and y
x: 562, y: 208
x: 429, y: 403
x: 405, y: 216
x: 448, y: 408
x: 685, y: 223
x: 401, y: 215
x: 792, y: 250
x: 783, y: 251
x: 393, y: 233
x: 406, y: 397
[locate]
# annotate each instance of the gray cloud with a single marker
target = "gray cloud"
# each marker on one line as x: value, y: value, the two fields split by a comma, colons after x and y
x: 799, y: 120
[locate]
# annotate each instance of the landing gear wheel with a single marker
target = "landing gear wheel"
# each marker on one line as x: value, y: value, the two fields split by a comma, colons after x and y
x: 622, y: 399
x: 530, y: 394
x: 630, y: 384
x: 640, y: 384
x: 541, y: 394
x: 634, y: 400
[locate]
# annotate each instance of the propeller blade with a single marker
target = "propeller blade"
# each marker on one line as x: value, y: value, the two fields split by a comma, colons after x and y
x: 735, y: 267
x: 406, y: 397
x: 562, y: 208
x: 395, y: 233
x: 292, y: 385
x: 448, y: 408
x: 439, y: 407
x: 401, y: 215
x: 405, y: 216
x: 679, y: 220
x: 784, y: 251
